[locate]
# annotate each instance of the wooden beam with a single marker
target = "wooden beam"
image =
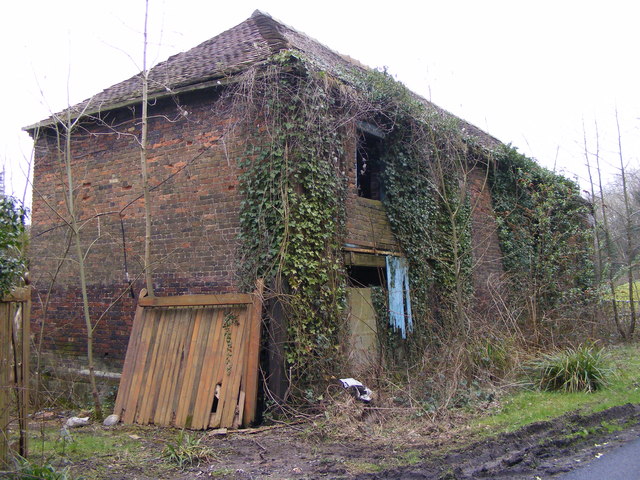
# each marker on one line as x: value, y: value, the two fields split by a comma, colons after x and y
x: 195, y: 300
x: 371, y: 251
x: 364, y: 259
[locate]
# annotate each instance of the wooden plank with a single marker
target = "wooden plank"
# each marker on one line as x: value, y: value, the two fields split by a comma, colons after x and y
x: 252, y: 364
x: 235, y: 376
x: 26, y: 369
x: 199, y: 409
x: 237, y: 419
x: 164, y: 360
x: 127, y: 369
x: 153, y: 369
x: 204, y: 399
x: 372, y: 250
x: 219, y: 374
x: 195, y: 300
x: 181, y: 369
x: 198, y: 367
x: 364, y: 259
x: 194, y: 392
x: 179, y: 372
x: 142, y: 358
x: 187, y: 384
x: 217, y: 346
x: 224, y: 372
x: 165, y: 401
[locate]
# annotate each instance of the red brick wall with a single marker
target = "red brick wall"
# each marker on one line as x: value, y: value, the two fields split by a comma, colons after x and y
x: 195, y: 213
x: 487, y: 256
x: 195, y: 220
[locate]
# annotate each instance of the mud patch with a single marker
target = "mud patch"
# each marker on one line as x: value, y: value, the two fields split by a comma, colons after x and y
x: 541, y: 450
x: 311, y: 451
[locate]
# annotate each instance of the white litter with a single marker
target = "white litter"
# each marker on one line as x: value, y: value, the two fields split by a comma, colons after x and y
x: 357, y: 389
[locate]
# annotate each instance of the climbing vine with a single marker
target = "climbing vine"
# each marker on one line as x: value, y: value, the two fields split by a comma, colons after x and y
x: 297, y: 121
x: 544, y: 234
x: 293, y: 216
x: 430, y: 214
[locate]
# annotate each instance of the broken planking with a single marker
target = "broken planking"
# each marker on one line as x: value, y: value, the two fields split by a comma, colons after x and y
x: 192, y: 361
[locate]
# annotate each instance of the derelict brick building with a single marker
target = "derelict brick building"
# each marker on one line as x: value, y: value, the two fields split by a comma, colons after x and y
x: 196, y: 196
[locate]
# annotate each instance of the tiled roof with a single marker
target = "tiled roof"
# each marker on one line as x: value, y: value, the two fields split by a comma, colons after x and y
x: 251, y: 42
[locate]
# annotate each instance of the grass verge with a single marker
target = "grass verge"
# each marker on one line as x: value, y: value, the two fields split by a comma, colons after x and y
x: 529, y: 406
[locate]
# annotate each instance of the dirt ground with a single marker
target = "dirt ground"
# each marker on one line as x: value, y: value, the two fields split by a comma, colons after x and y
x: 369, y: 446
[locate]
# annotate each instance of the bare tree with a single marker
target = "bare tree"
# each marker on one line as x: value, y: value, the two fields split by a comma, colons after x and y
x: 143, y: 159
x: 629, y: 251
x: 64, y: 150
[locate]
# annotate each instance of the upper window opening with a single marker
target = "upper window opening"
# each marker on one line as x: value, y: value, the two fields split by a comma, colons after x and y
x: 369, y: 166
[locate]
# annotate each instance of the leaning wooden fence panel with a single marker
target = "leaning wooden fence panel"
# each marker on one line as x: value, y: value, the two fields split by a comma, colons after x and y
x: 192, y: 361
x: 15, y: 311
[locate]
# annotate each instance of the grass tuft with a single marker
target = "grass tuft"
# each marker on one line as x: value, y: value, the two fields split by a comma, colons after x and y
x: 187, y: 451
x: 580, y: 369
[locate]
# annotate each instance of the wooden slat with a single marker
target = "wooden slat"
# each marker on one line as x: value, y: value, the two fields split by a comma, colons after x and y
x: 219, y: 375
x: 24, y: 387
x: 204, y: 398
x: 22, y: 294
x: 183, y: 411
x: 196, y: 368
x: 253, y: 357
x: 142, y: 354
x: 181, y: 370
x: 224, y: 372
x: 164, y: 359
x: 237, y: 419
x: 165, y: 401
x: 202, y: 409
x: 129, y: 361
x: 151, y: 368
x: 195, y: 300
x: 235, y: 375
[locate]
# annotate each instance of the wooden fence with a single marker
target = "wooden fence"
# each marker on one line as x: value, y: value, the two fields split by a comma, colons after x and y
x: 192, y: 361
x: 15, y: 311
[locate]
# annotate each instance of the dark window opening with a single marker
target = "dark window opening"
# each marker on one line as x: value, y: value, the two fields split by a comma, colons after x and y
x: 365, y: 277
x: 369, y: 167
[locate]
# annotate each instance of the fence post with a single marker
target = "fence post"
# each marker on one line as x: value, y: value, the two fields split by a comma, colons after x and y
x: 5, y: 390
x: 15, y: 317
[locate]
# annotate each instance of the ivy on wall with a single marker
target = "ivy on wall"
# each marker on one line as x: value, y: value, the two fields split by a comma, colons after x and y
x: 430, y: 214
x: 298, y: 121
x: 544, y: 234
x: 293, y: 215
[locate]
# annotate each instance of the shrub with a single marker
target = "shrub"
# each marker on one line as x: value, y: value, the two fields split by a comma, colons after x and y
x: 580, y: 369
x: 12, y: 231
x: 31, y: 471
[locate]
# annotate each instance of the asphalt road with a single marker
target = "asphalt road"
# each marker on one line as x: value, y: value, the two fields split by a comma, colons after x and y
x: 621, y: 463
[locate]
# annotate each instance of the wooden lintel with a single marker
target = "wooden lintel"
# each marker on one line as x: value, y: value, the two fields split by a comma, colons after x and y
x: 364, y: 259
x: 194, y: 300
x: 371, y: 251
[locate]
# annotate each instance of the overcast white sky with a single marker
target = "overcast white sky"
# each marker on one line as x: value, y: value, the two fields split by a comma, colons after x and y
x: 529, y: 73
